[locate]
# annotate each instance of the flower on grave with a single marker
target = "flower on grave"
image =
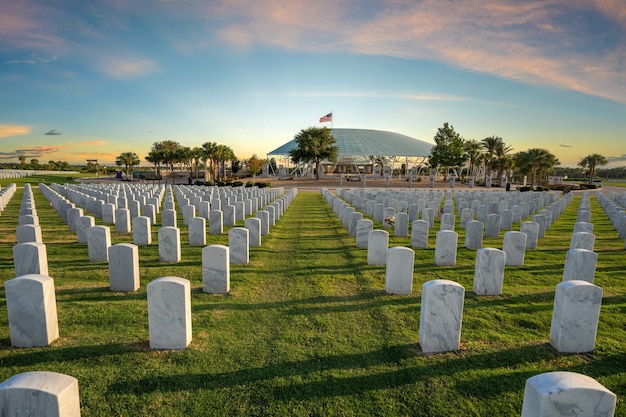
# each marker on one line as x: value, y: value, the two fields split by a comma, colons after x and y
x: 390, y: 221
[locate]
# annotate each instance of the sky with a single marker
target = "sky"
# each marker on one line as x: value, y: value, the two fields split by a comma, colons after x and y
x: 93, y: 79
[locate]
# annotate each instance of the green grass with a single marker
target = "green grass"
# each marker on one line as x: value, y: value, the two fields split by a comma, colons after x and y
x: 614, y: 183
x: 307, y: 328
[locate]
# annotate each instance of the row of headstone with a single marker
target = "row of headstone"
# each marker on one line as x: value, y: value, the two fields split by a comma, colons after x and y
x: 550, y: 394
x: 615, y: 208
x: 6, y: 194
x: 28, y: 229
x: 476, y: 229
x: 30, y: 253
x: 489, y: 274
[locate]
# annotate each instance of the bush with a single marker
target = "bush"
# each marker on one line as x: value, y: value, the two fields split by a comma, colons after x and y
x: 524, y: 188
x: 564, y: 187
x: 541, y: 188
x: 588, y: 186
x: 249, y: 184
x: 263, y: 184
x: 237, y: 183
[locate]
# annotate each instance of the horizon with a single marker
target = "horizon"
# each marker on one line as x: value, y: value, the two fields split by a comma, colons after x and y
x: 90, y: 81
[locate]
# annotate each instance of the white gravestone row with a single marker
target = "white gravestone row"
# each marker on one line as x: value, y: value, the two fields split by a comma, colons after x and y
x: 28, y: 229
x: 6, y: 194
x: 381, y: 205
x: 615, y: 208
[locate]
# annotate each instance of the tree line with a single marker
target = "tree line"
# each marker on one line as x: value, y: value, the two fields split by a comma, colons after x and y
x: 491, y: 155
x: 210, y: 156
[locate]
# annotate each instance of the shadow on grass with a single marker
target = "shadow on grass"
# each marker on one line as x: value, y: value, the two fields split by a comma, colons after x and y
x: 400, y: 365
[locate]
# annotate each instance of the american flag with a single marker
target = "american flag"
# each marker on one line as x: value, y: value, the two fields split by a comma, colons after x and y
x: 327, y: 118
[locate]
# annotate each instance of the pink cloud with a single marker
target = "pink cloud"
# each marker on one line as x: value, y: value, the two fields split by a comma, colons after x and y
x: 14, y: 130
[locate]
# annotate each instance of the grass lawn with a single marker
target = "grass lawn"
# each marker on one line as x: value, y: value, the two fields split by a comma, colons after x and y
x: 308, y: 330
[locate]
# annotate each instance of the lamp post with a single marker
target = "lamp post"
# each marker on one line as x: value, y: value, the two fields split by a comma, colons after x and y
x: 95, y: 161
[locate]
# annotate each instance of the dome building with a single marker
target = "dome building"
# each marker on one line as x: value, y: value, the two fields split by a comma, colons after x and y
x: 364, y: 152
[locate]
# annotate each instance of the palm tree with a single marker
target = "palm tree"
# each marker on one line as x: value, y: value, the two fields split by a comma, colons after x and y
x: 536, y: 160
x: 222, y: 154
x: 591, y: 162
x: 208, y: 154
x: 128, y: 160
x: 501, y: 160
x: 196, y: 155
x: 155, y: 157
x: 489, y: 145
x: 473, y: 152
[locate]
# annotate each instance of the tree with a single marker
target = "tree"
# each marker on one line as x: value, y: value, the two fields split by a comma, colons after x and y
x: 209, y: 155
x: 222, y: 154
x: 473, y: 154
x: 196, y: 155
x: 591, y: 162
x: 502, y: 161
x: 315, y: 144
x: 536, y: 161
x: 255, y: 165
x: 448, y: 150
x: 164, y: 152
x: 22, y: 160
x: 128, y: 160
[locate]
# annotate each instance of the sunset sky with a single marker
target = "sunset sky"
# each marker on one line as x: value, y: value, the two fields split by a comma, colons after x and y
x: 92, y: 79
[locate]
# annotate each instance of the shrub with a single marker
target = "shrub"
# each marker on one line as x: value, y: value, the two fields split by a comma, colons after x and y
x: 263, y: 184
x: 524, y: 188
x: 237, y: 183
x: 249, y: 184
x: 564, y: 187
x: 588, y: 186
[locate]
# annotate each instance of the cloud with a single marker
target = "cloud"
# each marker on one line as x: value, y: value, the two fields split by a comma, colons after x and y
x: 14, y: 130
x: 566, y: 146
x: 33, y: 60
x: 52, y: 132
x: 93, y: 142
x: 126, y: 67
x: 379, y: 95
x: 578, y: 47
x: 613, y: 159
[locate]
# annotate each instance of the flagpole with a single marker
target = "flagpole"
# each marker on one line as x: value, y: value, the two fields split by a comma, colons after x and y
x: 332, y: 117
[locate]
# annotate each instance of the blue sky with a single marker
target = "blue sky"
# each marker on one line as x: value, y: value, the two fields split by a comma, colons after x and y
x: 90, y: 80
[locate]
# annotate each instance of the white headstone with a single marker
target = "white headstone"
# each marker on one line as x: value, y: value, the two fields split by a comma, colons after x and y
x: 514, y: 245
x: 580, y: 264
x: 441, y: 316
x: 197, y: 231
x: 169, y: 313
x: 445, y: 248
x: 142, y: 230
x: 239, y: 245
x: 98, y: 242
x: 253, y: 224
x: 39, y: 393
x: 169, y: 244
x: 30, y: 258
x: 562, y: 394
x: 216, y: 269
x: 377, y: 247
x: 32, y: 311
x: 419, y: 234
x: 123, y: 267
x: 399, y: 271
x: 474, y: 234
x: 489, y: 271
x: 575, y: 316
